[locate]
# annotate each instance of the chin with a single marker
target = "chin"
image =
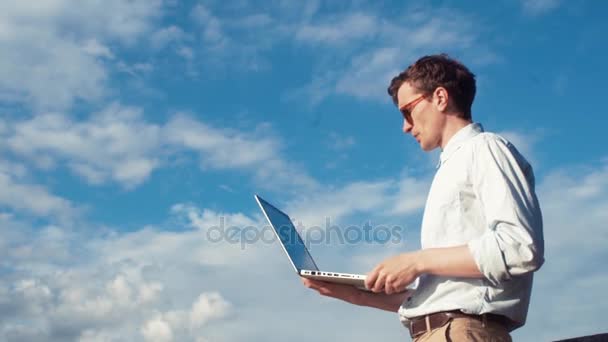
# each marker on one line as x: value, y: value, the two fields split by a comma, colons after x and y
x: 426, y: 147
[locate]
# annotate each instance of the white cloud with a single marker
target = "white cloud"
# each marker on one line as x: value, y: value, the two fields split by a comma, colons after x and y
x: 33, y: 199
x: 411, y: 196
x: 119, y: 145
x: 186, y: 52
x: 91, y: 335
x: 97, y: 294
x: 368, y: 74
x: 378, y: 46
x: 115, y: 144
x: 435, y: 32
x: 229, y: 149
x: 135, y: 69
x: 380, y: 199
x: 167, y: 35
x: 524, y: 143
x: 52, y: 73
x: 569, y: 193
x: 143, y: 67
x: 221, y: 148
x: 12, y: 169
x: 363, y: 48
x: 157, y: 330
x: 152, y: 245
x: 234, y: 41
x: 343, y: 30
x: 241, y: 40
x: 339, y: 203
x: 96, y: 49
x: 537, y: 7
x: 54, y: 50
x: 254, y: 21
x: 92, y: 290
x: 119, y: 19
x: 208, y: 306
x: 212, y: 33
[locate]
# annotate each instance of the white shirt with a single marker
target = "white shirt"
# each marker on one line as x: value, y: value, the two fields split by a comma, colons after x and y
x: 482, y: 196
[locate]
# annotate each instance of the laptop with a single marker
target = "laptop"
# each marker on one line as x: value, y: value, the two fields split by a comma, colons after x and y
x: 296, y: 250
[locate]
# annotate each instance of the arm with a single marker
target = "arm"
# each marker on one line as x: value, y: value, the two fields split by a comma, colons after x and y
x: 449, y: 261
x: 512, y: 243
x: 356, y: 296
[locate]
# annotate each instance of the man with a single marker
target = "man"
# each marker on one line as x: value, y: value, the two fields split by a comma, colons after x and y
x: 481, y: 231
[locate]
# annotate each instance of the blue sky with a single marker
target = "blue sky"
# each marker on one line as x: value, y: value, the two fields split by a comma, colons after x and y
x: 129, y: 129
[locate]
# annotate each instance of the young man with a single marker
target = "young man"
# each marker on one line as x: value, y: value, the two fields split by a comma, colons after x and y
x: 481, y: 229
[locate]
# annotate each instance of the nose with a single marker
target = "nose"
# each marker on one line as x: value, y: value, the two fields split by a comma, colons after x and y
x: 407, y: 127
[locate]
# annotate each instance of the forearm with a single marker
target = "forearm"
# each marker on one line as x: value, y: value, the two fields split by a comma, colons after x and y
x: 381, y: 300
x: 449, y: 261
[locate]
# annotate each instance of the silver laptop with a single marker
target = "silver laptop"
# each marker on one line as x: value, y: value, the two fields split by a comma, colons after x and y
x: 297, y: 252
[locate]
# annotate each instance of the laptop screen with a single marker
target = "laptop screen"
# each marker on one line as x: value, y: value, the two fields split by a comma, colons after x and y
x: 287, y: 233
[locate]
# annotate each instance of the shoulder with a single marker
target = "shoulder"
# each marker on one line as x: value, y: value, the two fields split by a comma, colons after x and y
x: 493, y: 144
x: 485, y: 144
x: 490, y: 139
x: 488, y: 147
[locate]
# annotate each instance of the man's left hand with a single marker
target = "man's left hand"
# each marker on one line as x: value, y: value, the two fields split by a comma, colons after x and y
x: 395, y: 273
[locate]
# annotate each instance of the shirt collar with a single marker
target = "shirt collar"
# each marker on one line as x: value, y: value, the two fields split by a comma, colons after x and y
x: 463, y: 134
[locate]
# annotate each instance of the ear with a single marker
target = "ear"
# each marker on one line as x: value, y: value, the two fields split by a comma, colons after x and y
x: 441, y: 98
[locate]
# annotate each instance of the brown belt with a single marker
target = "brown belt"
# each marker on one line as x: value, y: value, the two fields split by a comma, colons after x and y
x: 422, y: 324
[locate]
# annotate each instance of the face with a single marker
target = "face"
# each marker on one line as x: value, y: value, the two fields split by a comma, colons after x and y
x: 426, y: 121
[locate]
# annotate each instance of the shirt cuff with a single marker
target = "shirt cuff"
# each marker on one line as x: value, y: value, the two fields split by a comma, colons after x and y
x: 489, y: 258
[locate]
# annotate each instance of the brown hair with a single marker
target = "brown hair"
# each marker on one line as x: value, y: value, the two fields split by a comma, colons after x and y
x: 430, y: 72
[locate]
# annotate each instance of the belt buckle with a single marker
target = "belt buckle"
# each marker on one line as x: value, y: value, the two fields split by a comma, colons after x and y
x: 409, y: 325
x: 415, y: 322
x: 427, y: 321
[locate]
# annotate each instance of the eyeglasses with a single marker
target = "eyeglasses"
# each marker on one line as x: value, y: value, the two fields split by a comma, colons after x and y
x: 407, y: 108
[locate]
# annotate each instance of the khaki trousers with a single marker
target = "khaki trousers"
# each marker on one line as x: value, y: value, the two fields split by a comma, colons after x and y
x: 465, y: 330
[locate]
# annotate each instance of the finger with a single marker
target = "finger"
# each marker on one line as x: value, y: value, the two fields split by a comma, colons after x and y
x: 309, y: 283
x: 325, y: 291
x: 312, y: 284
x: 380, y: 283
x: 395, y: 286
x: 371, y: 278
x: 388, y: 284
x: 394, y: 290
x: 388, y: 290
x: 324, y: 288
x: 401, y: 284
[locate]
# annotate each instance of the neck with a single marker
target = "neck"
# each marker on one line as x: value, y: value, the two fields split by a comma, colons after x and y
x: 452, y: 125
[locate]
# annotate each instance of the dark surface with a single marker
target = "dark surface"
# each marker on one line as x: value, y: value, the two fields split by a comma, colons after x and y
x: 590, y: 338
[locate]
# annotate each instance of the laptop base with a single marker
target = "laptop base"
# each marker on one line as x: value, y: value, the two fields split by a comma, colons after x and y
x: 357, y: 280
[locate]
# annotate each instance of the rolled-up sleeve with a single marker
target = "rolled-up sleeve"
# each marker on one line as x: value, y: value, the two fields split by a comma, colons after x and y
x: 512, y: 242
